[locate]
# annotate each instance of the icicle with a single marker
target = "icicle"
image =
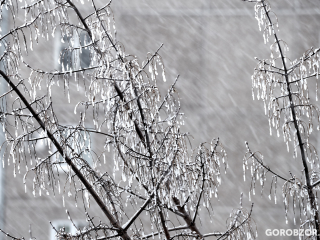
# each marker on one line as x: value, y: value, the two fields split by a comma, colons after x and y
x: 164, y: 76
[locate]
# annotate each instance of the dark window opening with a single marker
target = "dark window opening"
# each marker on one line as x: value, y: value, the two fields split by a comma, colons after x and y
x: 85, y: 56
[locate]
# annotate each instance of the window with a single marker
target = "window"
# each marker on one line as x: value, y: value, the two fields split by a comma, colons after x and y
x: 85, y: 57
x: 67, y: 226
x: 65, y: 57
x: 71, y: 58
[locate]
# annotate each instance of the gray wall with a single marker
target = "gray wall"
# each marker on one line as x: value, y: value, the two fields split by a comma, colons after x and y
x: 212, y: 45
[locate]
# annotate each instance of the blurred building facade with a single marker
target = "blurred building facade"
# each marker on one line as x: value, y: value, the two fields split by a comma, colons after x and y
x: 212, y: 45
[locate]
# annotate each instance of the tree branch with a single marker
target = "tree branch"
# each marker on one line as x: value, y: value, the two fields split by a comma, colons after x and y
x: 81, y: 177
x: 294, y: 118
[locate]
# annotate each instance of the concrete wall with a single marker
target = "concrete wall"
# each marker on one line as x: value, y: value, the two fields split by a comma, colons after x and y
x: 212, y: 45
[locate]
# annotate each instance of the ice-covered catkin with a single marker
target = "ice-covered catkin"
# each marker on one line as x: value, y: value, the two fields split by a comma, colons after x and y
x: 117, y: 100
x: 289, y: 103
